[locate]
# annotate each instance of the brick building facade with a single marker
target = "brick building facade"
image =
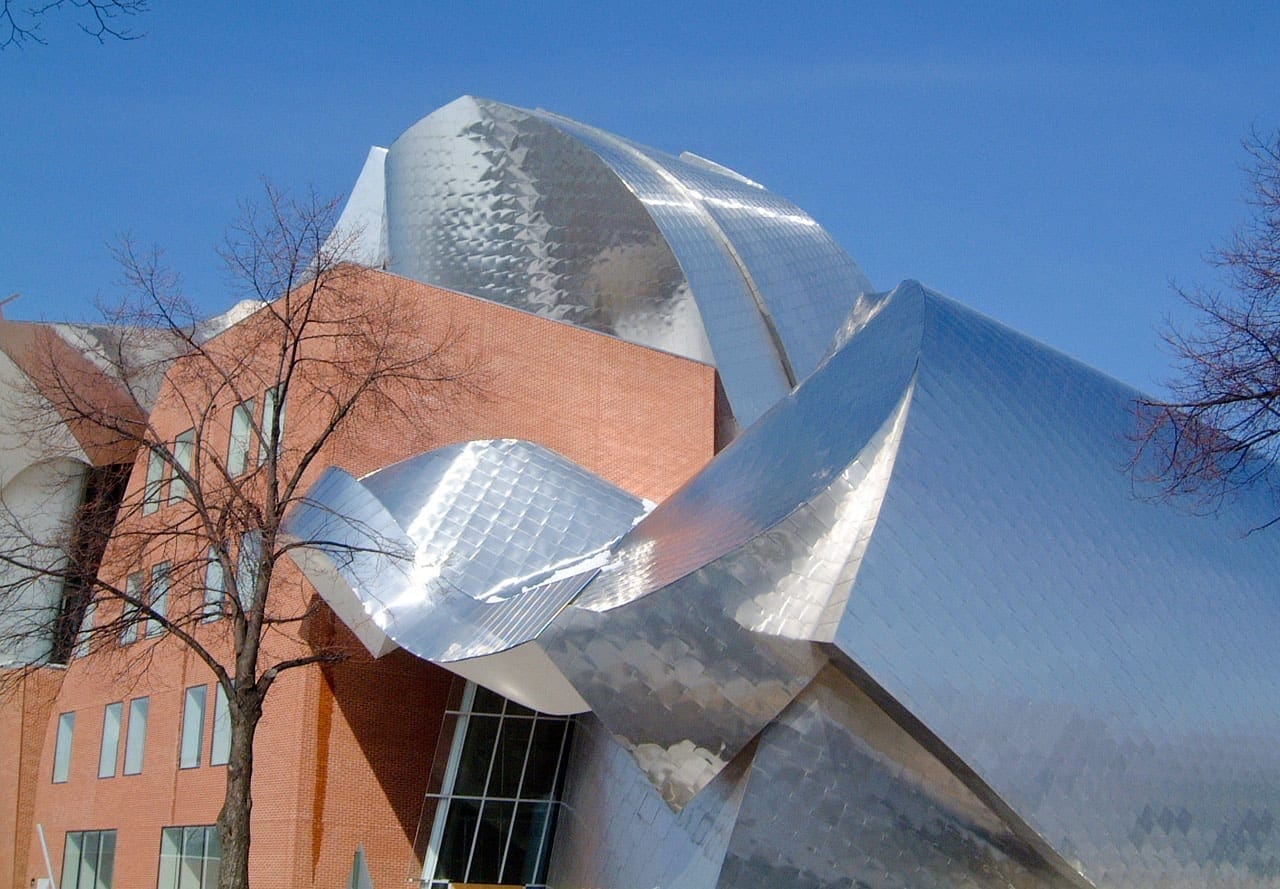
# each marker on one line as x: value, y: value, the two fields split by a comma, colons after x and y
x: 344, y: 749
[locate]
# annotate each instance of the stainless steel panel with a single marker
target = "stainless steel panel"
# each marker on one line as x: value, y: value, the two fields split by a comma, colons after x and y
x: 468, y: 550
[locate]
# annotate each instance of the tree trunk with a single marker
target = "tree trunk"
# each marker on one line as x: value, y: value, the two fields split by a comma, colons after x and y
x: 233, y: 820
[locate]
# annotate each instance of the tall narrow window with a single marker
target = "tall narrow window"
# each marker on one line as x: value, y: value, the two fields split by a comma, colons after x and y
x: 184, y: 448
x: 159, y: 598
x: 241, y: 432
x: 62, y: 747
x: 247, y: 567
x: 135, y: 741
x: 190, y: 858
x: 133, y: 588
x: 151, y: 494
x: 89, y: 859
x: 272, y: 422
x: 496, y: 808
x: 220, y: 750
x: 110, y: 750
x: 192, y: 727
x: 84, y: 637
x: 215, y: 587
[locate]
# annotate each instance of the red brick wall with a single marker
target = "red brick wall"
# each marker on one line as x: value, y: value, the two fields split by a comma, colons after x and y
x: 343, y: 751
x: 26, y: 702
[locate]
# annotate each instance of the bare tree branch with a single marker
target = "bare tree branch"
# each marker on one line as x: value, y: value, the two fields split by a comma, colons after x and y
x: 1220, y: 430
x: 102, y: 20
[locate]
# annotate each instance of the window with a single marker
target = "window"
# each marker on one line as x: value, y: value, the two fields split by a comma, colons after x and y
x: 136, y: 739
x: 62, y: 747
x: 496, y: 808
x: 190, y: 858
x: 159, y: 598
x: 88, y: 859
x: 220, y: 749
x: 151, y: 494
x: 247, y: 567
x: 83, y: 638
x: 110, y: 749
x: 192, y: 727
x: 184, y: 448
x: 215, y: 587
x: 132, y: 589
x: 272, y: 421
x: 241, y: 430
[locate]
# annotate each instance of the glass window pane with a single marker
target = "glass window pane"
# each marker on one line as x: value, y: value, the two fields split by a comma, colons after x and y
x: 220, y: 751
x: 170, y: 851
x: 272, y: 412
x: 215, y: 587
x: 513, y: 742
x: 71, y: 859
x: 110, y: 748
x: 155, y: 484
x: 455, y: 845
x: 477, y: 752
x: 133, y: 589
x: 183, y: 450
x: 88, y: 861
x: 62, y: 747
x: 159, y: 597
x: 212, y: 858
x: 486, y: 701
x: 86, y: 627
x: 526, y: 840
x: 190, y: 871
x: 106, y: 859
x: 192, y: 727
x: 136, y: 740
x: 491, y: 842
x: 241, y: 428
x: 544, y: 755
x: 247, y: 567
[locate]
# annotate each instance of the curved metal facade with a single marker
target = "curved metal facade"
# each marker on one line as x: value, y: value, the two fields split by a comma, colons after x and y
x: 914, y: 627
x: 548, y: 215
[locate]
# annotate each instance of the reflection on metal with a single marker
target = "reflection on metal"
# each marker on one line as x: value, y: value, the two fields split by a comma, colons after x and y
x: 545, y: 214
x: 1040, y: 679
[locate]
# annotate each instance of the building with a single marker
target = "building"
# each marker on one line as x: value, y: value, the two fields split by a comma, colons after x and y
x: 749, y: 574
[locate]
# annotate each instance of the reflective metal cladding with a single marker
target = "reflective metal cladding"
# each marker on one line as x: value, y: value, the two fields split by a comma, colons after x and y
x: 913, y: 627
x: 545, y: 214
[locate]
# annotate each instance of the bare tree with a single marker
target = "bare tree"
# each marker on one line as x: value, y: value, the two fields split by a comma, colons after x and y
x: 101, y: 19
x: 1221, y: 428
x: 331, y: 356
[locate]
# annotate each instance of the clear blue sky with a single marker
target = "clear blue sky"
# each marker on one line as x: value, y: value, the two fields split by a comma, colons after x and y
x: 1051, y: 164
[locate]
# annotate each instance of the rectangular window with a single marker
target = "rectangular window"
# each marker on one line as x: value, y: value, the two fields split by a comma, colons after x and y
x: 136, y: 739
x: 151, y: 494
x: 247, y: 567
x: 215, y: 587
x: 241, y: 432
x: 159, y: 598
x: 62, y: 747
x: 133, y: 588
x: 220, y: 750
x: 88, y: 859
x: 190, y: 858
x: 110, y: 750
x: 272, y: 421
x: 497, y: 799
x: 84, y: 637
x: 192, y: 727
x: 184, y: 448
